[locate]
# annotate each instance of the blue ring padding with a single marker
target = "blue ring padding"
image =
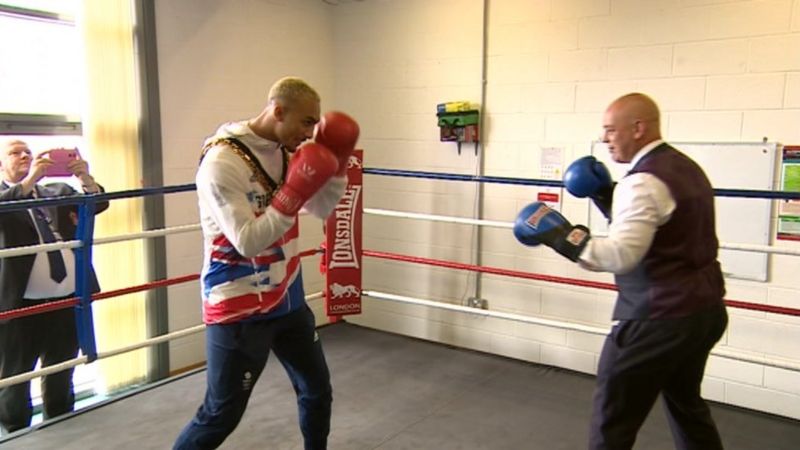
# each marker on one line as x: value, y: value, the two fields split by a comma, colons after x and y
x: 748, y: 193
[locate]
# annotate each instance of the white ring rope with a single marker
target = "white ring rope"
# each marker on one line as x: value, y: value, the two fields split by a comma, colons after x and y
x: 4, y: 382
x: 761, y: 359
x: 498, y: 224
x: 148, y: 234
x: 434, y: 218
x: 487, y: 313
x: 31, y: 249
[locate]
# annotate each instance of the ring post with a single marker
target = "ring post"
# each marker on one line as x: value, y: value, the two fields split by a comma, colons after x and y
x: 83, y: 264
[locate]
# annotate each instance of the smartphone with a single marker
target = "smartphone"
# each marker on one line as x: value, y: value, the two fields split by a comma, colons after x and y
x: 61, y: 157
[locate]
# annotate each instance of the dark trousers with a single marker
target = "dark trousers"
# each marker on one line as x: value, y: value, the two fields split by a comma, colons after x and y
x: 237, y: 354
x: 51, y: 337
x: 644, y: 358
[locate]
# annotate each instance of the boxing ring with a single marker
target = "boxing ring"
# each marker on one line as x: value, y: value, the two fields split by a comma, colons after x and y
x: 399, y: 392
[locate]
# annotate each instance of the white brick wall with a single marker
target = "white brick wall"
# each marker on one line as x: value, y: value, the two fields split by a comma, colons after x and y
x: 675, y: 94
x: 574, y: 65
x: 687, y: 23
x: 744, y: 92
x: 596, y: 95
x: 776, y: 124
x: 721, y: 70
x: 792, y: 91
x: 704, y: 126
x: 762, y: 399
x: 796, y: 17
x: 711, y: 58
x: 775, y: 53
x: 640, y: 62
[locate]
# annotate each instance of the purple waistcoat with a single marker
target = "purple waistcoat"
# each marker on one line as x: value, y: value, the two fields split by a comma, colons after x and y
x: 679, y: 275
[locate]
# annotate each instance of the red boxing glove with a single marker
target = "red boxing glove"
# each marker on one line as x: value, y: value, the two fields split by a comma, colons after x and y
x: 310, y: 168
x: 339, y: 132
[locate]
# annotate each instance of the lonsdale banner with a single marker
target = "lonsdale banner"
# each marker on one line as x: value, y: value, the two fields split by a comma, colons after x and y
x: 342, y: 263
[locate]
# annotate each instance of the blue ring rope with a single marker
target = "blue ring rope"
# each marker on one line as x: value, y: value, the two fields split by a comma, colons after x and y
x: 80, y: 199
x: 749, y: 193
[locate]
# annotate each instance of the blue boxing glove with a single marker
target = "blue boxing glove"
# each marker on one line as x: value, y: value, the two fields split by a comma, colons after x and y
x: 539, y: 224
x: 588, y: 177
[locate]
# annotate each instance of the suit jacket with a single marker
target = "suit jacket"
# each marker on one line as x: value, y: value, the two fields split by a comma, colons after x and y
x: 18, y: 229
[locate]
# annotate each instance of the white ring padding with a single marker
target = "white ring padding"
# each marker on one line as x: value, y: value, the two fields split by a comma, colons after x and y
x: 722, y: 353
x: 10, y: 381
x: 498, y: 224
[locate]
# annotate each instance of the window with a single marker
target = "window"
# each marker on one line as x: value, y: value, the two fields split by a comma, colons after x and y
x: 46, y: 74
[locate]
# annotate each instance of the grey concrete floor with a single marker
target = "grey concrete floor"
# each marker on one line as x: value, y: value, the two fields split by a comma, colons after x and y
x: 393, y: 392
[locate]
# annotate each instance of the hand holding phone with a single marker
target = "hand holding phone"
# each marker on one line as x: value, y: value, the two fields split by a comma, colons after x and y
x: 61, y: 158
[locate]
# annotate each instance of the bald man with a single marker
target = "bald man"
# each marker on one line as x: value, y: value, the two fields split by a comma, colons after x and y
x: 29, y: 280
x: 662, y: 247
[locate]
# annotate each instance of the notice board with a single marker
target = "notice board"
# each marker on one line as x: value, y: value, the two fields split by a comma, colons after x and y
x: 738, y: 165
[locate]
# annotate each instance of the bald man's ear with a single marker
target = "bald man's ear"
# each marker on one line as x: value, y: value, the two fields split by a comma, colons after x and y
x: 639, y: 128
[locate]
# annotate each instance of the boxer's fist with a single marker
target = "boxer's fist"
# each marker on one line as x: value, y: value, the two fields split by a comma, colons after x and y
x: 339, y: 132
x: 538, y: 224
x: 310, y: 168
x: 588, y: 177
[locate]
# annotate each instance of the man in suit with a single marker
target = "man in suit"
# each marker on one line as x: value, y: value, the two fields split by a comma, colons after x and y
x: 662, y: 248
x: 36, y: 279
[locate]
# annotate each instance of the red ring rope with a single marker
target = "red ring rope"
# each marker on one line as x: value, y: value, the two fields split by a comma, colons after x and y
x: 70, y: 302
x: 554, y: 279
x: 38, y: 309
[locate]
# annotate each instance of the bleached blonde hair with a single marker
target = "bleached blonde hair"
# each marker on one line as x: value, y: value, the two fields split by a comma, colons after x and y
x: 289, y: 89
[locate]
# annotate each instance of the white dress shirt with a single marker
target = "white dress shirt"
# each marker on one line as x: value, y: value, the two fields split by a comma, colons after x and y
x: 641, y: 204
x: 40, y: 285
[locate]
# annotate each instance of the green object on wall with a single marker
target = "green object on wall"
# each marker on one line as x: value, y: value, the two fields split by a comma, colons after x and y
x: 458, y: 119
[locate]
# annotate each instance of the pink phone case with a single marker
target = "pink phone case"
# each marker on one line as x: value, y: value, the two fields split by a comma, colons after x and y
x: 61, y: 157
